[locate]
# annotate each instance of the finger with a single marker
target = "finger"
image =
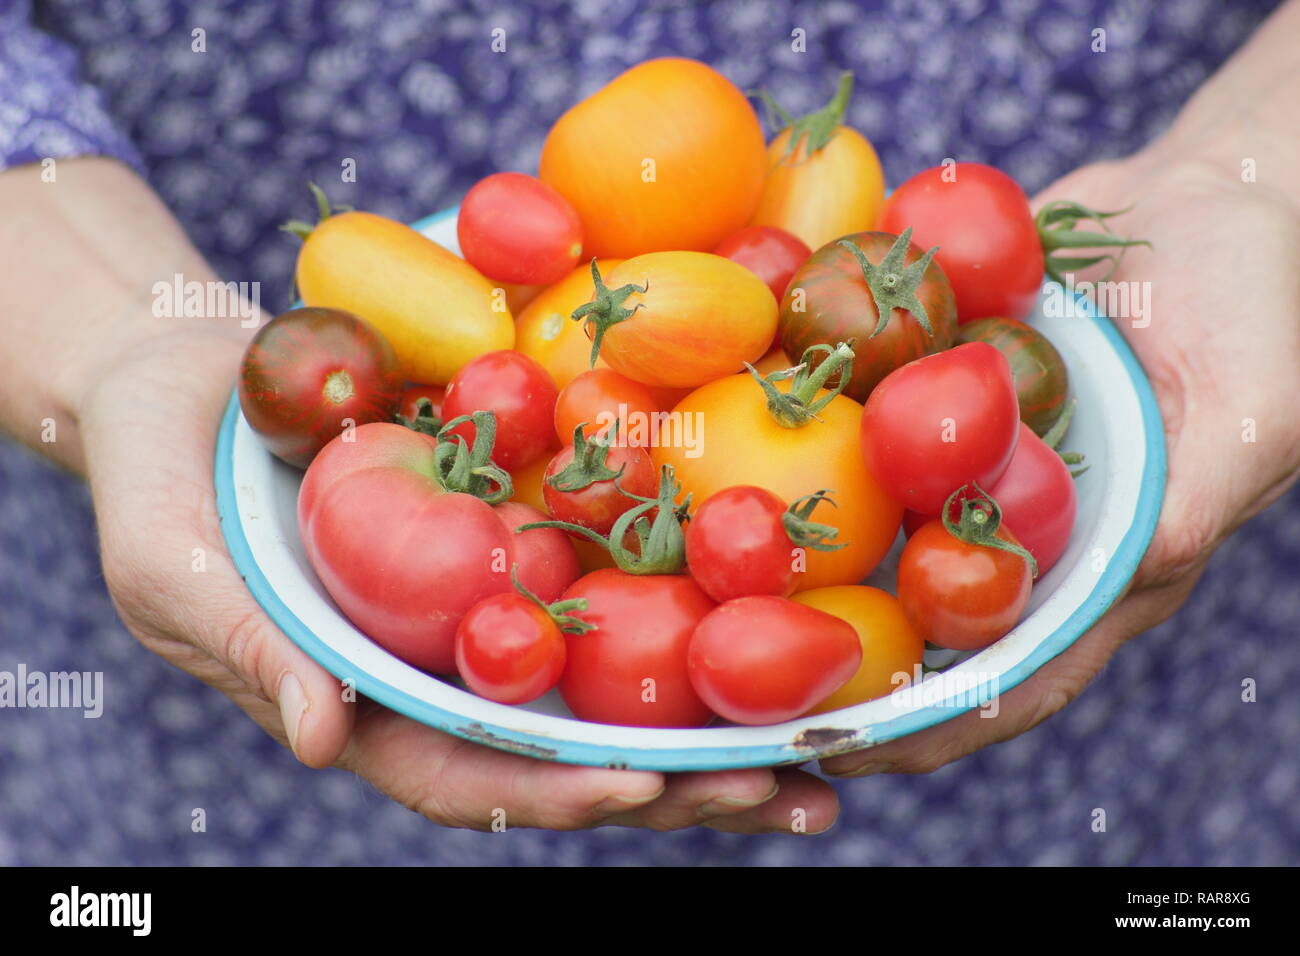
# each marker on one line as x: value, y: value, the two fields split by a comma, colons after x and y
x: 458, y: 783
x: 804, y: 804
x: 692, y: 798
x: 1055, y: 684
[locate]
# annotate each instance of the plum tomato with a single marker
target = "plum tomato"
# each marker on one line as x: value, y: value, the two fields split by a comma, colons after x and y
x: 744, y: 541
x: 765, y: 659
x: 511, y: 647
x: 877, y: 290
x: 941, y: 422
x: 770, y: 253
x: 631, y: 669
x: 599, y: 397
x: 310, y: 373
x: 521, y: 394
x: 964, y: 583
x: 517, y: 229
x: 890, y: 645
x: 979, y: 218
x: 1038, y: 370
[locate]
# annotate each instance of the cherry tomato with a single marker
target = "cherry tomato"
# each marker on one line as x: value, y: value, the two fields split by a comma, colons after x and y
x: 988, y: 244
x: 517, y: 229
x: 598, y: 398
x: 1038, y: 370
x: 509, y: 649
x: 940, y: 422
x: 890, y: 645
x: 831, y: 299
x: 958, y: 594
x: 739, y: 544
x: 405, y: 556
x: 308, y: 373
x: 766, y: 659
x: 522, y: 395
x: 631, y: 669
x: 770, y: 253
x: 598, y: 504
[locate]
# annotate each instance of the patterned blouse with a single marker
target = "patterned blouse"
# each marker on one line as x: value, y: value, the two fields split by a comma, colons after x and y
x: 229, y: 106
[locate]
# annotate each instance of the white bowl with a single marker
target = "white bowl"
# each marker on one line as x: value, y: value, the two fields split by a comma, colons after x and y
x: 1117, y: 427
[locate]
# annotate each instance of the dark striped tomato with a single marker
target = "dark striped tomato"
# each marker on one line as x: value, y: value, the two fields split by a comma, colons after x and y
x: 828, y: 302
x: 1038, y: 370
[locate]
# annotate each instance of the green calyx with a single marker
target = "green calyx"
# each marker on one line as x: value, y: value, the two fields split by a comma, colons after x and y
x: 425, y: 421
x: 800, y: 405
x: 1053, y: 437
x: 809, y: 534
x: 1056, y: 224
x: 301, y: 228
x: 892, y: 282
x: 559, y: 611
x: 606, y: 309
x: 661, y: 544
x: 817, y: 128
x: 588, y: 464
x: 979, y: 522
x: 470, y: 470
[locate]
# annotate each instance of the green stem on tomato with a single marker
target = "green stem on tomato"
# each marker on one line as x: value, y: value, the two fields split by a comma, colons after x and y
x: 809, y: 534
x: 424, y: 421
x: 470, y: 470
x: 588, y: 464
x: 1056, y: 224
x: 799, y: 405
x: 818, y: 127
x: 558, y: 611
x: 979, y: 522
x: 606, y: 309
x: 892, y: 282
x: 301, y: 228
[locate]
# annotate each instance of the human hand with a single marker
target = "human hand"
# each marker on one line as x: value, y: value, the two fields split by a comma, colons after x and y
x: 1222, y: 347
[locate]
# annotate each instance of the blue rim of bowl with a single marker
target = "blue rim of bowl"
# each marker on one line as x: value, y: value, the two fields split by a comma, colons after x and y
x: 1110, y: 585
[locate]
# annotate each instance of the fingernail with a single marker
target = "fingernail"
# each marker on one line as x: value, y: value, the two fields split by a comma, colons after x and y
x: 621, y: 804
x: 863, y: 770
x: 720, y: 805
x: 293, y: 705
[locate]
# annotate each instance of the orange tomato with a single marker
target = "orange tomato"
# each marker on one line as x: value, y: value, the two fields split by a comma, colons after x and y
x: 774, y: 361
x: 890, y: 645
x: 518, y: 296
x: 668, y: 155
x: 598, y: 397
x: 545, y: 331
x: 700, y: 317
x: 735, y: 440
x: 821, y: 190
x: 434, y: 307
x: 528, y: 483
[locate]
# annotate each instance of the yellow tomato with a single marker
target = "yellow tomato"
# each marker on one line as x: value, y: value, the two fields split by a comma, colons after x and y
x: 723, y: 434
x: 668, y: 155
x: 546, y: 333
x: 528, y: 483
x: 890, y: 646
x: 700, y: 317
x: 434, y: 307
x: 829, y: 185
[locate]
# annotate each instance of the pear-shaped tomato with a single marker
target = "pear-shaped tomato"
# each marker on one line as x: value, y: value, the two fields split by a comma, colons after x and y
x: 727, y: 435
x: 435, y: 309
x: 668, y: 155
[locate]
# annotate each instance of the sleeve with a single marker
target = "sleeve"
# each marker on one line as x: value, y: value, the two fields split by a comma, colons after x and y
x: 46, y: 110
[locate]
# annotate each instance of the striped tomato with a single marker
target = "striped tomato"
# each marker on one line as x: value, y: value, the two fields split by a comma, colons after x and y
x: 1036, y: 367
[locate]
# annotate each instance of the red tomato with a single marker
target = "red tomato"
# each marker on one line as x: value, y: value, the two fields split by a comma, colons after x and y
x: 404, y: 557
x: 770, y: 253
x: 597, y: 505
x: 514, y: 228
x: 308, y: 373
x: 765, y: 659
x: 1037, y: 497
x: 509, y: 649
x: 519, y: 391
x: 410, y: 405
x: 940, y: 422
x: 959, y: 594
x: 600, y: 396
x: 631, y: 670
x: 547, y: 561
x: 988, y: 243
x: 738, y: 543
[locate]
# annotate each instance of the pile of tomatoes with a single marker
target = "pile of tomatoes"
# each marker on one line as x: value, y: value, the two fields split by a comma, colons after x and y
x: 645, y: 440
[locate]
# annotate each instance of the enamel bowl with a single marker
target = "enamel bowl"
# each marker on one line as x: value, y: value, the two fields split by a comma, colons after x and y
x: 1117, y: 427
